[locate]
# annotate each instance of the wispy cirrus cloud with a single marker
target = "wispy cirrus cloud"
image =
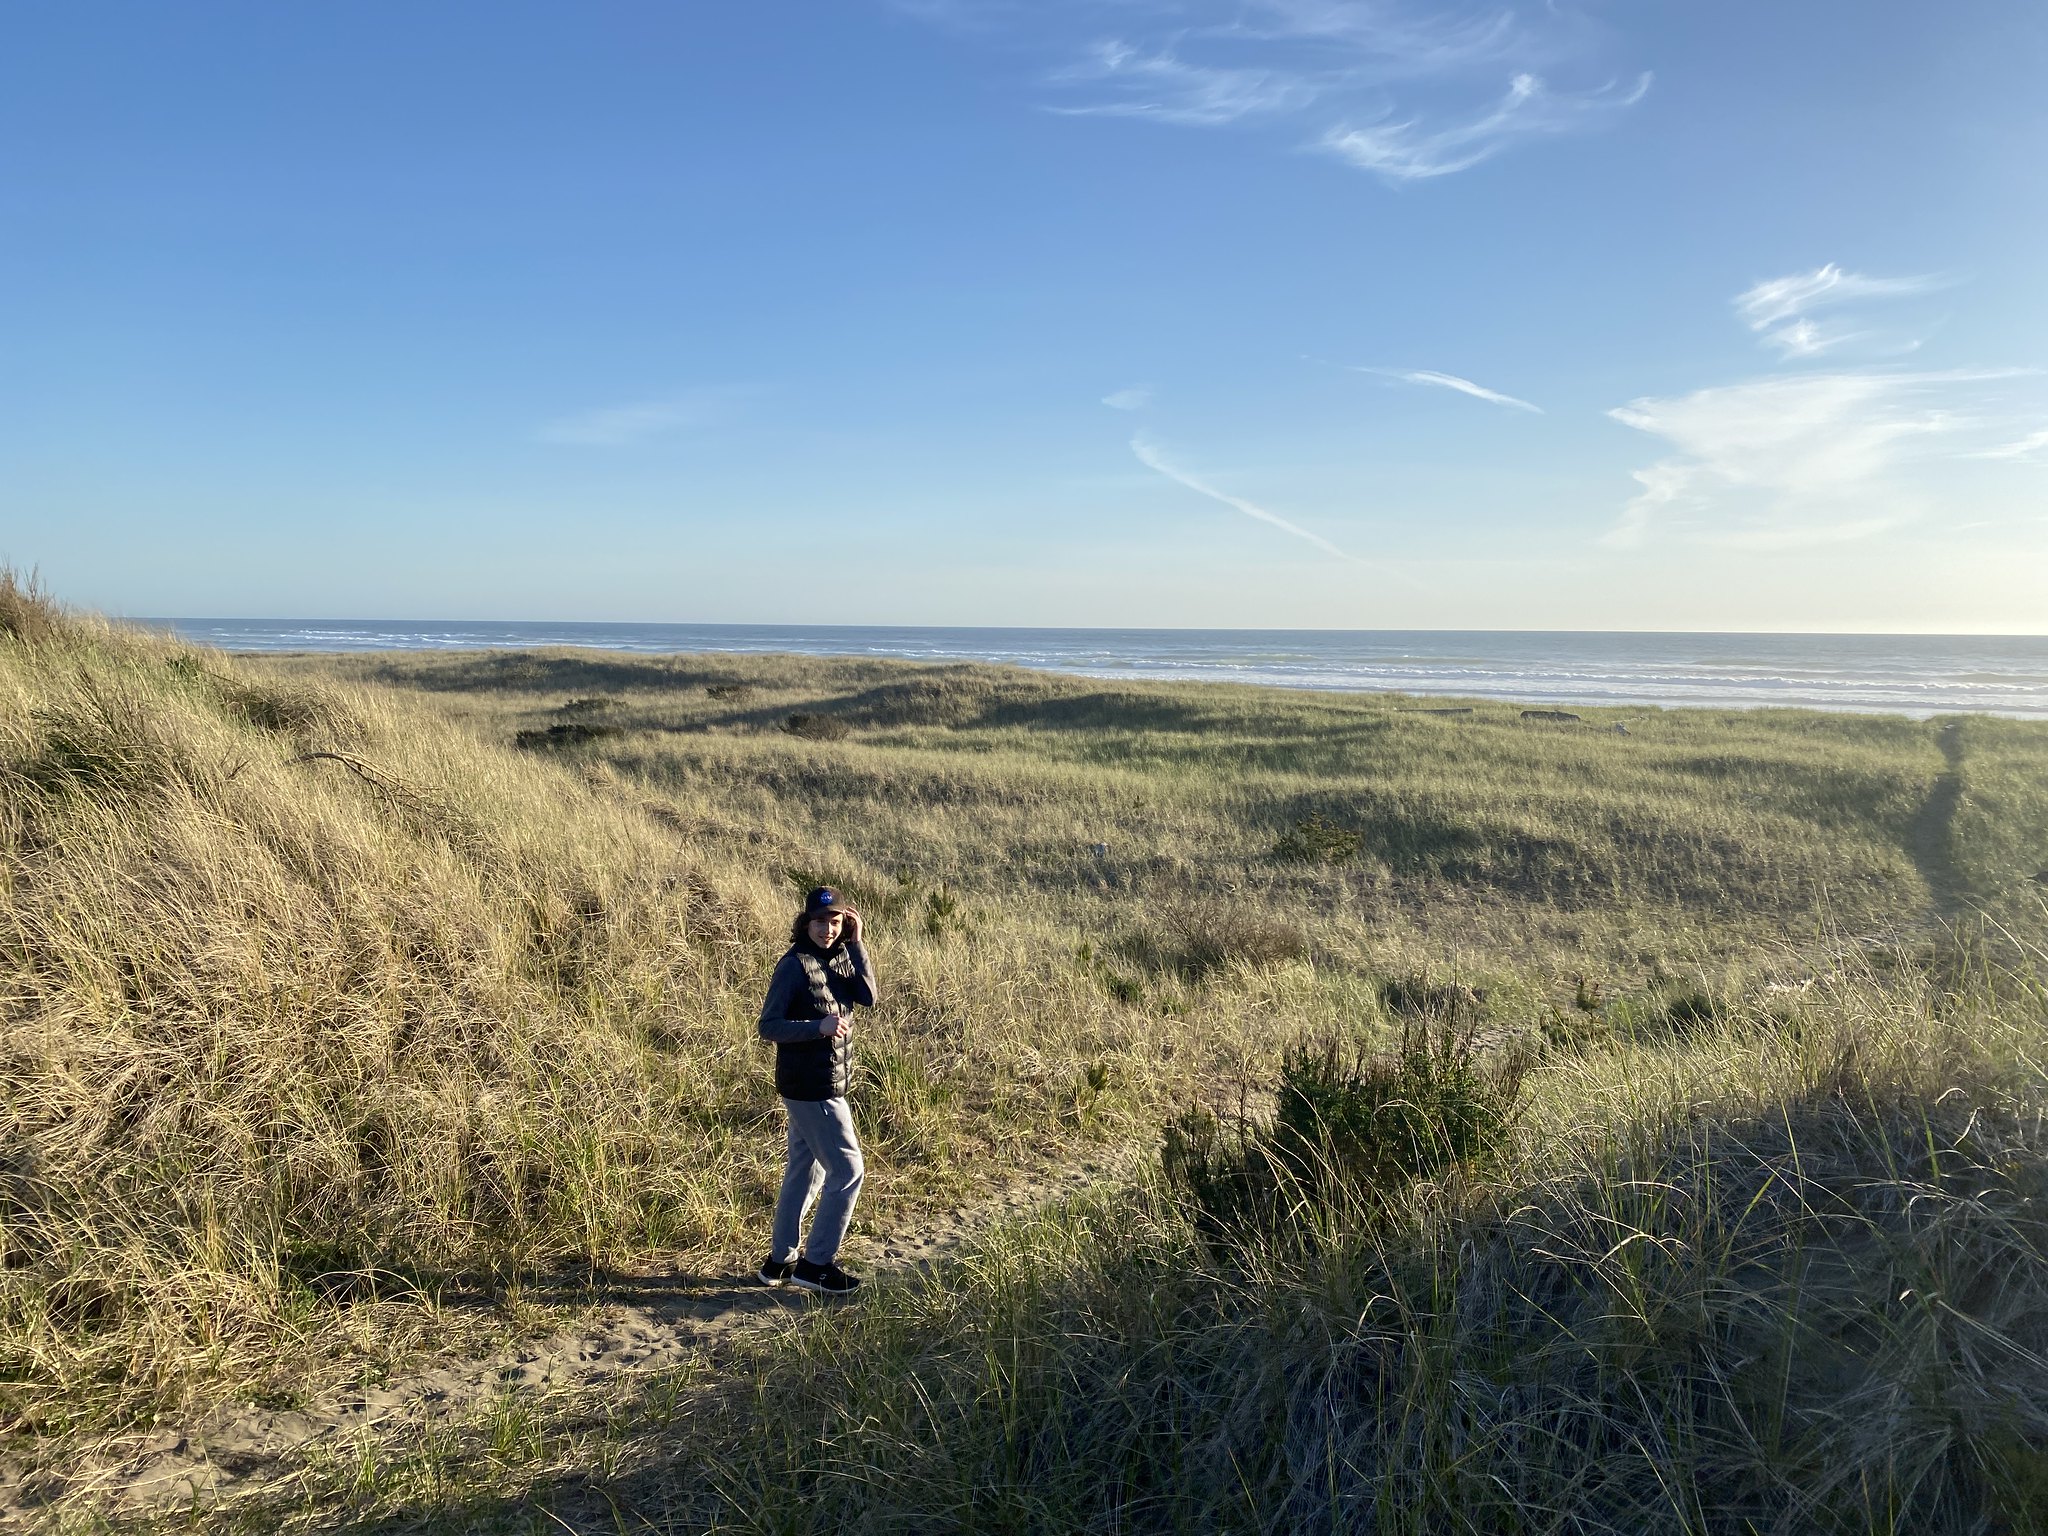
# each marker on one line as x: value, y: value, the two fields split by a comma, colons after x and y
x: 1451, y: 381
x: 619, y: 426
x: 1816, y: 458
x: 1802, y: 338
x: 1802, y: 459
x: 2020, y: 448
x: 1155, y: 459
x: 1392, y: 87
x: 1779, y: 309
x: 1168, y: 89
x: 1408, y: 151
x: 1136, y: 398
x: 1780, y: 298
x: 1412, y: 40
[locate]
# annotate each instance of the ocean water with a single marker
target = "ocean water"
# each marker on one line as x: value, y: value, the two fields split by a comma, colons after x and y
x: 1915, y: 675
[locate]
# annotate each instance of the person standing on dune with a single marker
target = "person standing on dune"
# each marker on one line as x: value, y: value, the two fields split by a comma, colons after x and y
x: 809, y: 1017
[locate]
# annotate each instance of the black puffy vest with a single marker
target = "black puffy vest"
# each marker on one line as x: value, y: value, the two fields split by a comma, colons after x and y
x: 814, y: 1069
x: 821, y: 1068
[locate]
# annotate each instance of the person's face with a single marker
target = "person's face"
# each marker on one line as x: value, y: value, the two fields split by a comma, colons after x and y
x: 824, y: 929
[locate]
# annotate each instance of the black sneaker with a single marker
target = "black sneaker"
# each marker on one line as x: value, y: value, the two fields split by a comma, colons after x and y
x: 774, y: 1271
x: 825, y: 1279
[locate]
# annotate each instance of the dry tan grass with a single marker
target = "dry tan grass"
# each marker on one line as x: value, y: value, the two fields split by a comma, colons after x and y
x: 326, y: 1008
x: 1789, y: 1273
x: 320, y: 1016
x: 27, y: 612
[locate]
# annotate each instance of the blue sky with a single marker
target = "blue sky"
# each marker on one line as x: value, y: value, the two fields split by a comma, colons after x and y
x: 1647, y: 315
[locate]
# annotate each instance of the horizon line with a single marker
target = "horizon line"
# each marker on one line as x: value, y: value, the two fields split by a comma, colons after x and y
x: 1155, y: 629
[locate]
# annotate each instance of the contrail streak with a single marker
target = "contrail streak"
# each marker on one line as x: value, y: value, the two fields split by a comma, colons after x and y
x: 1151, y: 458
x: 1440, y: 380
x: 1467, y: 387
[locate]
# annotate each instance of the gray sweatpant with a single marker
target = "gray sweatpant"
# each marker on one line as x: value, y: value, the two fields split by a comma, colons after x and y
x: 824, y: 1160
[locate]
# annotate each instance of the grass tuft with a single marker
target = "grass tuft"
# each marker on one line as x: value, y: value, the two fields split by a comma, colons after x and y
x: 1350, y: 1130
x: 813, y: 727
x: 28, y: 614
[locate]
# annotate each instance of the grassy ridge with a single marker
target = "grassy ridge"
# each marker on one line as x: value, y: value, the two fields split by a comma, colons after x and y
x: 995, y: 780
x: 1999, y: 838
x: 300, y: 989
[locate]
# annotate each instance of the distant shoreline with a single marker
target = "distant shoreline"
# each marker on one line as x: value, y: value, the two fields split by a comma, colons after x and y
x: 1913, y: 675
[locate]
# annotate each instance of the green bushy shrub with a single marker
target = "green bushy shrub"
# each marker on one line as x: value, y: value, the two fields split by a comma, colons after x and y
x: 1381, y: 1121
x: 1350, y: 1129
x: 1318, y: 840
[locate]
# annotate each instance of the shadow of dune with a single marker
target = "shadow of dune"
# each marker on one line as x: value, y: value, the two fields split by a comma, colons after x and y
x: 975, y: 696
x: 572, y: 670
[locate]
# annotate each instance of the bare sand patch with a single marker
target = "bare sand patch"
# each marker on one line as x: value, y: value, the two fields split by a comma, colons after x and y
x: 632, y: 1325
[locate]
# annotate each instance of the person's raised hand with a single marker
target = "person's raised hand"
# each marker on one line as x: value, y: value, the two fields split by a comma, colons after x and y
x: 851, y: 932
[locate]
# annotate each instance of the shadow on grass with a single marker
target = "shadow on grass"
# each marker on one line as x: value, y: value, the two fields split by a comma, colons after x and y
x: 668, y: 1295
x: 976, y: 697
x: 1826, y: 1316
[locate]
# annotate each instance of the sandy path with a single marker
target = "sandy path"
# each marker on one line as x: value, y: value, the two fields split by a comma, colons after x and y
x: 643, y: 1324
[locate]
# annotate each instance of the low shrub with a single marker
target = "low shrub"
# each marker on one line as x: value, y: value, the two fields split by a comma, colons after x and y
x: 1678, y: 1008
x: 1382, y: 1121
x: 1196, y: 938
x: 1125, y: 989
x: 941, y: 912
x: 1686, y: 1010
x: 816, y: 727
x: 1212, y: 937
x: 1418, y: 996
x: 1220, y: 1170
x: 1318, y: 840
x: 283, y: 709
x: 1350, y: 1130
x: 276, y: 705
x: 554, y: 737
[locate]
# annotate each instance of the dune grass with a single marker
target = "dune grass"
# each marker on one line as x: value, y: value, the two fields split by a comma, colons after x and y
x: 301, y: 1010
x: 1712, y: 827
x: 341, y: 992
x: 1785, y: 1272
x: 323, y: 1019
x: 1789, y: 1279
x: 1999, y: 840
